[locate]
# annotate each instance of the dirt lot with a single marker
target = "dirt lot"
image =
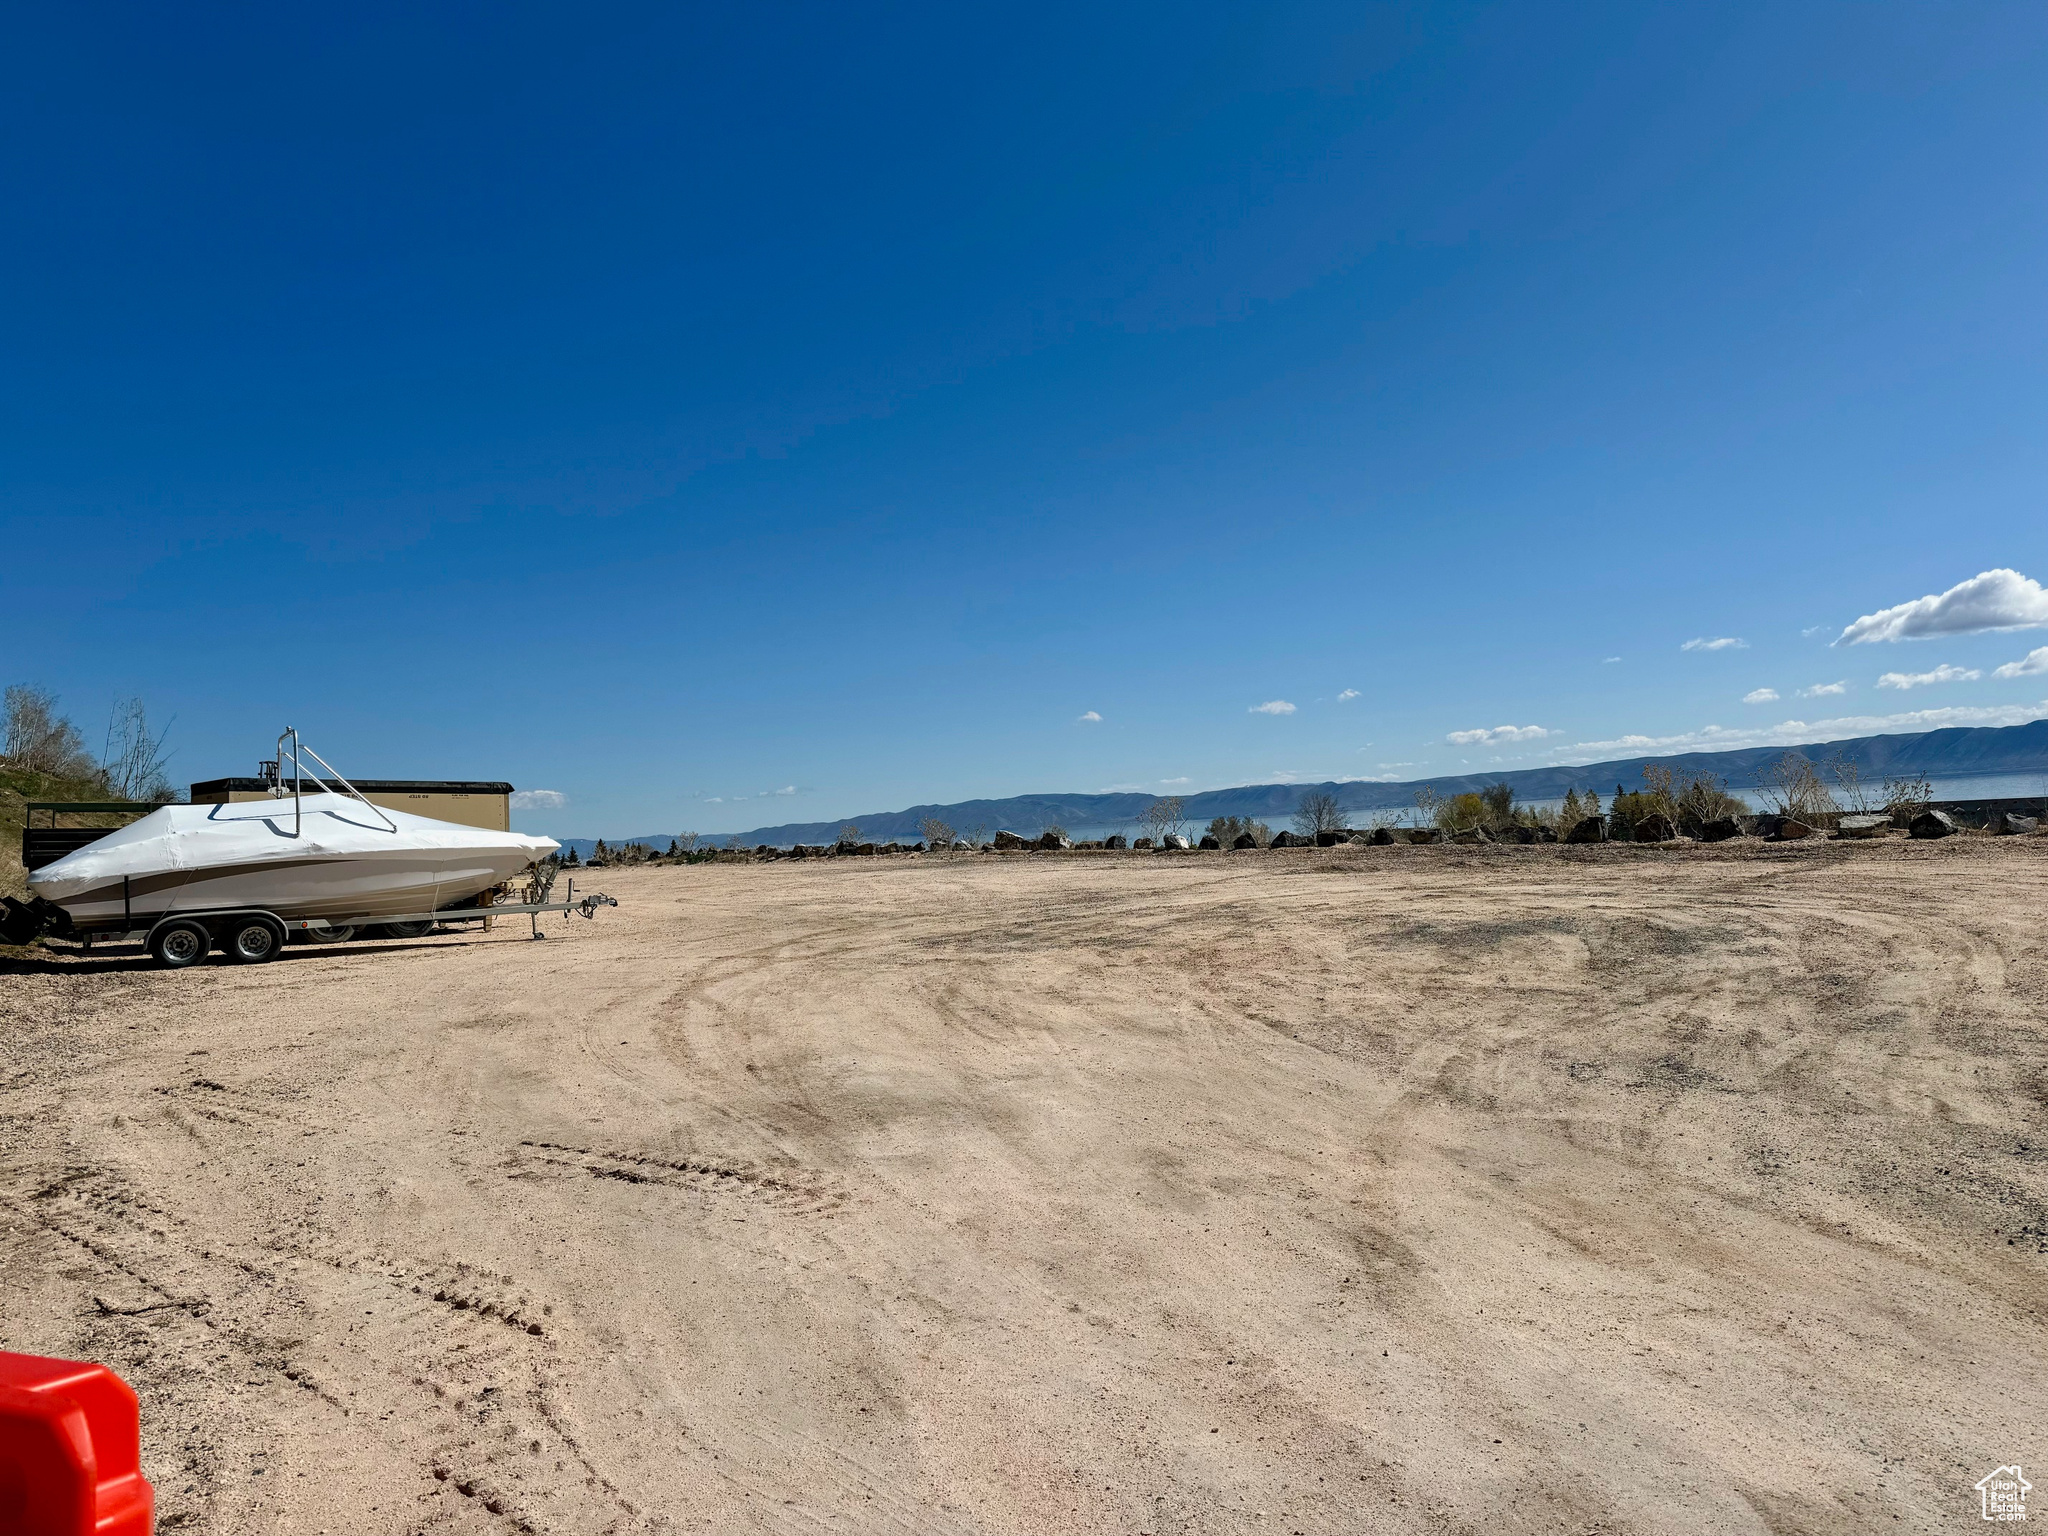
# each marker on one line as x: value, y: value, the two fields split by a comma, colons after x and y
x: 1547, y: 1190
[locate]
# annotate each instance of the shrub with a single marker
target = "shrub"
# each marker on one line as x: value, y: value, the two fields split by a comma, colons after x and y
x: 1228, y: 829
x: 1791, y: 787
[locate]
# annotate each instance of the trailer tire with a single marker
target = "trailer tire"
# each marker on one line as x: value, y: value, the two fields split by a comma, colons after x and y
x: 253, y: 940
x: 177, y: 945
x: 409, y: 930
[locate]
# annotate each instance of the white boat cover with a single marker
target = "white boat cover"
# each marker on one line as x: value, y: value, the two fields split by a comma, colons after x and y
x: 335, y: 858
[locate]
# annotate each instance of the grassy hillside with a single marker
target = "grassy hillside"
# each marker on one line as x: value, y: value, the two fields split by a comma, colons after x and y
x: 18, y: 786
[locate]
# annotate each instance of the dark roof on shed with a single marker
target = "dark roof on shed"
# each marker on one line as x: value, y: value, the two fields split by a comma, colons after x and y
x: 382, y: 786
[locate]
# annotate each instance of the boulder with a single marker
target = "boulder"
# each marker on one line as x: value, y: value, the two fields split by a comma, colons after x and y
x: 1543, y: 834
x: 1143, y: 842
x: 960, y: 845
x: 1720, y: 829
x: 1655, y: 828
x: 868, y: 849
x: 1862, y: 826
x: 2012, y: 824
x: 1386, y: 837
x: 1116, y: 840
x: 1591, y: 829
x: 1209, y: 844
x: 1245, y: 840
x: 1288, y: 840
x: 1173, y: 842
x: 1009, y: 840
x: 1331, y: 839
x: 1515, y: 833
x: 1426, y: 835
x: 1790, y: 831
x: 1473, y: 835
x: 1053, y: 842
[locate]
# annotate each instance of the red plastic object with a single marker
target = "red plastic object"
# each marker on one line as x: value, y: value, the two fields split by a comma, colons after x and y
x: 70, y: 1451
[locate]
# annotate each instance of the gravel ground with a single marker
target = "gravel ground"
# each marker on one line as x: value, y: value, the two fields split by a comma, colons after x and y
x: 1602, y: 1190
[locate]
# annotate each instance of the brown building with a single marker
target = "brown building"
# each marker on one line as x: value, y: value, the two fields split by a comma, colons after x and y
x: 487, y: 805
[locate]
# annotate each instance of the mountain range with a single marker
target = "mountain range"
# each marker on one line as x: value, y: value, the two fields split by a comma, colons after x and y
x: 1952, y: 753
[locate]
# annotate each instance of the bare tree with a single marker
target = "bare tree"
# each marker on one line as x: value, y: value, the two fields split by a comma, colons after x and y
x: 1430, y: 806
x: 688, y: 843
x: 1906, y: 798
x: 41, y: 740
x: 1166, y: 817
x: 133, y: 764
x: 1318, y: 813
x: 936, y: 833
x: 1790, y: 787
x: 977, y: 834
x: 736, y: 844
x: 1849, y: 786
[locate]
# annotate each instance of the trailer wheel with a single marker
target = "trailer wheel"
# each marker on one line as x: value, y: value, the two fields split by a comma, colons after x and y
x: 177, y: 945
x: 409, y: 930
x: 253, y: 941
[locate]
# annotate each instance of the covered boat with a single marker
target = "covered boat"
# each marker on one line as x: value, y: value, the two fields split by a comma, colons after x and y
x: 241, y: 875
x: 322, y: 856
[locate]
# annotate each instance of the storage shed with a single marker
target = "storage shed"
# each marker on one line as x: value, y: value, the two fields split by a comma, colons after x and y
x: 469, y: 804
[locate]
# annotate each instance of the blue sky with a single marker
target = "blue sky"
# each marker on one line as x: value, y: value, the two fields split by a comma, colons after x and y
x: 717, y: 417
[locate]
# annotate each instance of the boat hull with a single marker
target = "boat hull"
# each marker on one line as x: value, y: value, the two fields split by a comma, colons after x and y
x: 322, y: 861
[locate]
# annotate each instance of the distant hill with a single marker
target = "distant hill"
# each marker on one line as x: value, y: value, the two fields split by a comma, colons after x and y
x: 1957, y: 752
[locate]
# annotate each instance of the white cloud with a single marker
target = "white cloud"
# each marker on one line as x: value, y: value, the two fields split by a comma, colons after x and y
x: 1824, y: 691
x: 2034, y: 661
x: 1498, y: 733
x: 1608, y: 660
x: 1376, y: 778
x: 1719, y: 643
x: 1181, y: 780
x: 1811, y: 630
x: 2000, y: 599
x: 1348, y: 693
x: 1941, y: 674
x: 1397, y: 765
x: 1761, y: 696
x: 787, y: 789
x: 1088, y: 717
x: 1715, y: 738
x: 1272, y: 707
x: 538, y: 799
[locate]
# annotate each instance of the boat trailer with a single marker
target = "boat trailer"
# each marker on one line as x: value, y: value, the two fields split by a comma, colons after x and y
x: 250, y: 935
